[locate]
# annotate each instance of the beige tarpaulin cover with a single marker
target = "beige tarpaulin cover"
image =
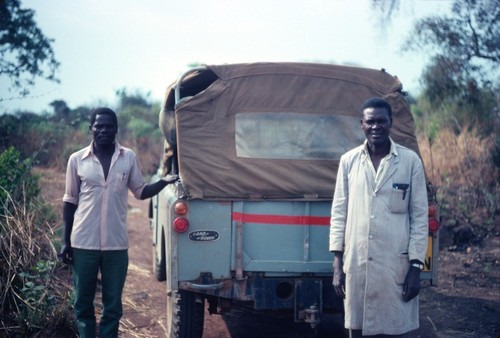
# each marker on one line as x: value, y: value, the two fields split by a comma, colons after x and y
x: 201, y: 128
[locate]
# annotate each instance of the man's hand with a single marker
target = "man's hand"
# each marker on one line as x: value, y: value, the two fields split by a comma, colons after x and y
x: 339, y: 275
x: 170, y: 178
x: 66, y: 254
x: 152, y: 189
x: 411, y: 287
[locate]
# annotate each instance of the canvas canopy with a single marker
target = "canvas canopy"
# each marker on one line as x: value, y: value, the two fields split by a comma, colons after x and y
x: 272, y: 130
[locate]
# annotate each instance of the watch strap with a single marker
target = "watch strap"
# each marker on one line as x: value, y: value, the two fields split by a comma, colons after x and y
x: 418, y: 265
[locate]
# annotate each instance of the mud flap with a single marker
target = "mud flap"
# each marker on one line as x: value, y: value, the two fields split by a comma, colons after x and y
x: 308, y: 301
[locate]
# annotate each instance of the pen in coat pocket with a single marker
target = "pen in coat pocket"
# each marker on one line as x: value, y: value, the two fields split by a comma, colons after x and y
x: 401, y: 186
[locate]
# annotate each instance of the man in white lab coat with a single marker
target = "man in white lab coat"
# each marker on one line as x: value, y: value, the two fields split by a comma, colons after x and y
x: 379, y: 230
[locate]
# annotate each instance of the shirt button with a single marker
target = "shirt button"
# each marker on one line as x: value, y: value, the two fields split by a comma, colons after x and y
x: 372, y: 217
x: 370, y: 237
x: 370, y: 258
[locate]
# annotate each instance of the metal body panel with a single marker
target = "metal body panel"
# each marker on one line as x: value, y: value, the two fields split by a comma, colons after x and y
x: 287, y: 246
x: 283, y: 236
x: 212, y: 256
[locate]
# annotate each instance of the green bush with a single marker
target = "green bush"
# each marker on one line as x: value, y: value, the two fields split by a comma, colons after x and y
x: 16, y: 179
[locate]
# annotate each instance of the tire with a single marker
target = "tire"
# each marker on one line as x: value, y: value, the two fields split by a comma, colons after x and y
x: 159, y: 264
x: 185, y: 315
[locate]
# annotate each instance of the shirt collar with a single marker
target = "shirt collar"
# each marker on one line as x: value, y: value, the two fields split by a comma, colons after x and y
x: 392, y: 151
x: 90, y: 149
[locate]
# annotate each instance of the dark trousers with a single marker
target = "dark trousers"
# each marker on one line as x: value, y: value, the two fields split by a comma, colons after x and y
x: 357, y: 334
x: 86, y: 266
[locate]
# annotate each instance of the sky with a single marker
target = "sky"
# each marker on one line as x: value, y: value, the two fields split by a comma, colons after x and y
x: 143, y: 46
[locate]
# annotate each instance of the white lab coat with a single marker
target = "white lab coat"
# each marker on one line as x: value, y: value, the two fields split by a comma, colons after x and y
x: 380, y: 229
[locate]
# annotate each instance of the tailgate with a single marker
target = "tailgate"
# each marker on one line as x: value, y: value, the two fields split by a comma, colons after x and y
x: 281, y: 238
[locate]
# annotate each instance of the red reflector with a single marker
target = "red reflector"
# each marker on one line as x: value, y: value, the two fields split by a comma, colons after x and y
x: 180, y: 208
x: 433, y: 225
x: 180, y: 224
x: 432, y: 210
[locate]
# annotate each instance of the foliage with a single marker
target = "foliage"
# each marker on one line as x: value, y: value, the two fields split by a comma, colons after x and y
x: 471, y: 33
x: 34, y: 136
x: 135, y: 112
x: 456, y: 101
x: 8, y: 126
x: 25, y: 52
x: 75, y: 118
x: 495, y: 154
x: 468, y: 181
x: 16, y: 179
x: 51, y: 138
x: 460, y: 84
x: 32, y: 296
x: 425, y: 123
x: 138, y: 127
x: 386, y: 7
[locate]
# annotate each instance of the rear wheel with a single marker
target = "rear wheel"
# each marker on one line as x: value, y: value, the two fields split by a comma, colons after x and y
x: 185, y: 315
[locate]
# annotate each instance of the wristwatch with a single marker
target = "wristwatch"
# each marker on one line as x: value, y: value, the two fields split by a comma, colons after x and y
x: 418, y: 265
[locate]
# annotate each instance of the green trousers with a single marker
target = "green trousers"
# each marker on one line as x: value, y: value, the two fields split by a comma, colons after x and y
x: 113, y: 267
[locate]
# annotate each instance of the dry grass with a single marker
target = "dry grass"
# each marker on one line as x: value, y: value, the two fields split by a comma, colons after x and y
x: 464, y: 159
x: 467, y: 181
x: 32, y: 297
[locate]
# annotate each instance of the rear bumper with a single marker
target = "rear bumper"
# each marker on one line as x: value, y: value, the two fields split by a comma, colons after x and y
x: 272, y: 293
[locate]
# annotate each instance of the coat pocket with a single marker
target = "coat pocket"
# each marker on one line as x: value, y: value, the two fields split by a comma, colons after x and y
x: 403, y: 265
x: 400, y: 196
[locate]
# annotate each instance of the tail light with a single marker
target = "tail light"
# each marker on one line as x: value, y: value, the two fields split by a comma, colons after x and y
x: 433, y: 218
x: 180, y: 208
x: 181, y: 223
x: 433, y: 225
x: 432, y: 210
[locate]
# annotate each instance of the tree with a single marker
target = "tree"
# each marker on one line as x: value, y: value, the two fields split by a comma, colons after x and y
x: 469, y: 36
x: 387, y: 8
x: 461, y: 80
x: 138, y: 127
x: 25, y: 52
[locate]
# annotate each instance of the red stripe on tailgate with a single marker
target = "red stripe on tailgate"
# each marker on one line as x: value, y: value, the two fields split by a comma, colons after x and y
x: 281, y: 219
